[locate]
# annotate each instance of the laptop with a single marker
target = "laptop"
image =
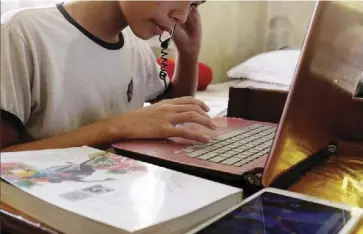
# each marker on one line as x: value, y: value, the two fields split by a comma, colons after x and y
x: 324, y: 108
x: 239, y: 147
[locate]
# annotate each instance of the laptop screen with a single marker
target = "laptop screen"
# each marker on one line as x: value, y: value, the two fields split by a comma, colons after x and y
x: 272, y: 213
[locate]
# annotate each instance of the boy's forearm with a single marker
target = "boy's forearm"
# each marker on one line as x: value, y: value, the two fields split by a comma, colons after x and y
x: 96, y: 135
x: 185, y: 80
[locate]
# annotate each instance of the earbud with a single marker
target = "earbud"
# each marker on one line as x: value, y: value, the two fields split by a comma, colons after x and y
x: 165, y: 44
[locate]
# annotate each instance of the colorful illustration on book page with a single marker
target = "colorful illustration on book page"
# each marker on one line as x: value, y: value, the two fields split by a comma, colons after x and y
x: 27, y: 176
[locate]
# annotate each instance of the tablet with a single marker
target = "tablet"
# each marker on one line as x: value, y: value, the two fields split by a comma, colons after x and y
x: 274, y: 211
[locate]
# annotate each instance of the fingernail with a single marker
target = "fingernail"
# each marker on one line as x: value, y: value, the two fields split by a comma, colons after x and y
x: 214, y: 126
x: 206, y: 138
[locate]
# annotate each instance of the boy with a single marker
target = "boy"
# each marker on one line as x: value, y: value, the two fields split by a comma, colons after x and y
x: 78, y: 74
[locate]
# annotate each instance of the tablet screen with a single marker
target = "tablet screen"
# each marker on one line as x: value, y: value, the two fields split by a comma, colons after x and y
x: 272, y: 213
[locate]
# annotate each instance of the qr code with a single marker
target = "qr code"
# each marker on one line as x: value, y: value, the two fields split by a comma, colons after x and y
x: 75, y: 196
x: 97, y: 190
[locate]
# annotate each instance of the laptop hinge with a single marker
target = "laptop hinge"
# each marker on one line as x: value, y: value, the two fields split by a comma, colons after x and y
x: 293, y: 174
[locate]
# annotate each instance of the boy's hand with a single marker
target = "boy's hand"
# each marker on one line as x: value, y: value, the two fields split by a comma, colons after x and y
x: 187, y: 37
x: 158, y: 121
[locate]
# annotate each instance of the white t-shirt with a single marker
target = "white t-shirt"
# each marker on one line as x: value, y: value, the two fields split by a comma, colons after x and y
x: 56, y: 76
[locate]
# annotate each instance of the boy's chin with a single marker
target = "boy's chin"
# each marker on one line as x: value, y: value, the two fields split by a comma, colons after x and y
x: 144, y: 35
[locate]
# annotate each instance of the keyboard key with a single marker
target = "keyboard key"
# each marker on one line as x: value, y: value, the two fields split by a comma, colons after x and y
x: 260, y: 153
x: 256, y: 156
x: 253, y: 150
x: 243, y: 162
x: 189, y: 150
x: 241, y: 155
x: 226, y: 136
x: 235, y: 145
x: 237, y: 150
x: 227, y: 154
x: 208, y: 156
x: 255, y: 126
x: 231, y: 161
x: 229, y: 141
x: 228, y: 147
x: 200, y: 152
x: 248, y: 153
x: 249, y: 145
x: 220, y: 150
x: 243, y: 147
x: 217, y: 159
x: 223, y: 143
x: 259, y: 148
x: 219, y: 144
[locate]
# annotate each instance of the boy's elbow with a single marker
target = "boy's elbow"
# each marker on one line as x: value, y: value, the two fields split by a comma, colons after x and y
x: 9, y: 136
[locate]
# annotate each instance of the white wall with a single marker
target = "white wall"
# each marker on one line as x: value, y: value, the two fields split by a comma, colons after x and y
x: 287, y: 23
x: 232, y: 32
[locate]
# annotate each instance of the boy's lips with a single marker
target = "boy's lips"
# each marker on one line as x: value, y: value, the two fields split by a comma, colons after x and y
x: 159, y: 29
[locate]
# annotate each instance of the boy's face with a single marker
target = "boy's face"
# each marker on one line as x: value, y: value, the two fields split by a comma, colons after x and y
x: 150, y: 18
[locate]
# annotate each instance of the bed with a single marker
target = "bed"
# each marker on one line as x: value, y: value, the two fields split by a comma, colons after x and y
x: 270, y: 70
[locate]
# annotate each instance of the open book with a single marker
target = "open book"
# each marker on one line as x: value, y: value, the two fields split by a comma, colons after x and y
x: 85, y: 190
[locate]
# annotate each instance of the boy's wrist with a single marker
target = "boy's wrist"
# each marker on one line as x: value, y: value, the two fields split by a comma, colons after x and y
x: 187, y: 57
x: 112, y: 128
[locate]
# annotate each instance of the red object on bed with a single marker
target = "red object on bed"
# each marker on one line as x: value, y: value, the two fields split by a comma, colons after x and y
x: 205, y: 74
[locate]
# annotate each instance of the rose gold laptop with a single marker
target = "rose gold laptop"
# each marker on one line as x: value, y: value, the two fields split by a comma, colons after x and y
x: 238, y: 146
x: 241, y: 146
x: 325, y: 105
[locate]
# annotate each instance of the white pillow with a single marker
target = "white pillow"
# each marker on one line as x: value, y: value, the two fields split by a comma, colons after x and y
x: 275, y: 67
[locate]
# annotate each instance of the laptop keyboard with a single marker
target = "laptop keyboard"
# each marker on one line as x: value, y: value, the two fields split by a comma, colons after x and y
x: 235, y: 148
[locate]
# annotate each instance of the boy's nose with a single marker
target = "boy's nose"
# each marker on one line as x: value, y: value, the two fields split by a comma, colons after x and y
x: 180, y: 15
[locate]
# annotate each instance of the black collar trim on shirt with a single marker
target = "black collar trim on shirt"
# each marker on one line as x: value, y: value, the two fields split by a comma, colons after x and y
x: 107, y: 45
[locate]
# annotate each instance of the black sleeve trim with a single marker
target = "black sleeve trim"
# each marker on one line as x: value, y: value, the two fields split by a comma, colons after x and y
x: 359, y: 90
x: 12, y: 119
x: 16, y: 123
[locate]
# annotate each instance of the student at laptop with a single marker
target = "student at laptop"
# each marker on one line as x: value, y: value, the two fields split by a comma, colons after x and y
x: 79, y: 73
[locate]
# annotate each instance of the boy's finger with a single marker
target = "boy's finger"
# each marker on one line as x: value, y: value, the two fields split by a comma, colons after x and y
x: 188, y: 134
x: 193, y: 117
x: 193, y: 16
x: 190, y: 100
x: 188, y: 108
